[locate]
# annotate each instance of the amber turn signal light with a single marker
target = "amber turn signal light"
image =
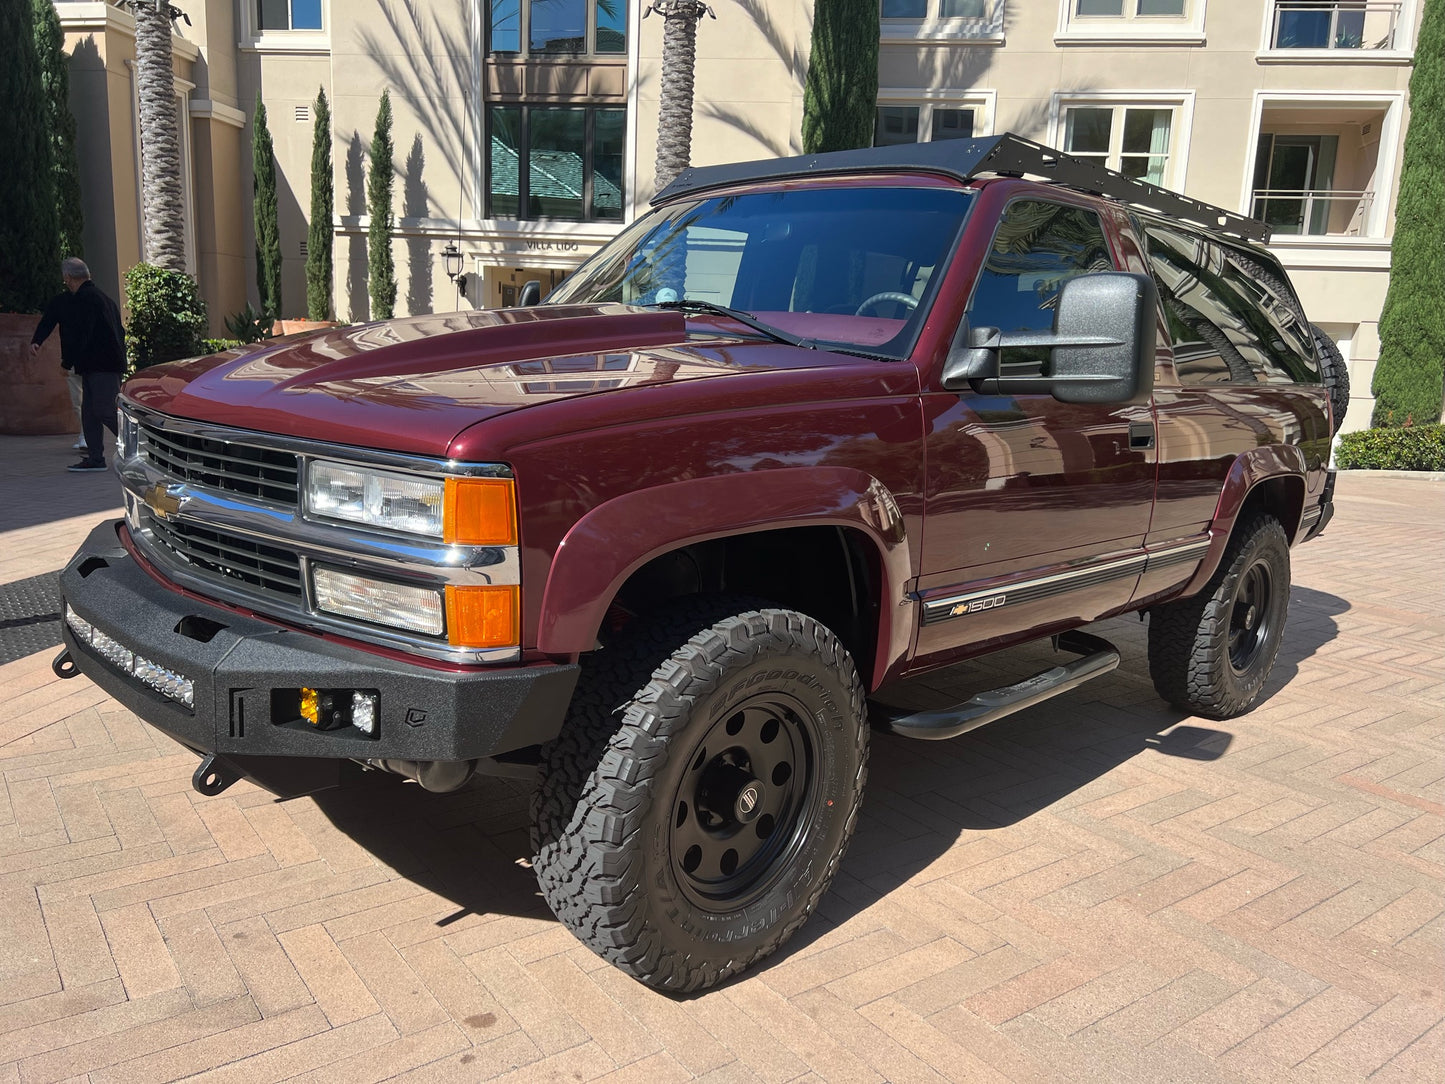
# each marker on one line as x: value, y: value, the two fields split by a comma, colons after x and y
x: 480, y: 512
x: 483, y: 616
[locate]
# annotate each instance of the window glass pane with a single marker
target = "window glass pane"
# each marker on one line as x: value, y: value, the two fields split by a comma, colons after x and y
x: 963, y: 9
x: 1036, y: 249
x: 1303, y: 28
x: 611, y: 26
x: 557, y: 26
x: 505, y: 26
x: 1187, y: 271
x: 305, y: 14
x: 1086, y: 131
x: 1146, y: 144
x: 504, y: 161
x: 273, y: 15
x: 896, y: 124
x: 555, y: 158
x: 952, y: 123
x: 905, y: 9
x: 1268, y: 319
x: 1161, y: 7
x: 1099, y: 7
x: 609, y: 131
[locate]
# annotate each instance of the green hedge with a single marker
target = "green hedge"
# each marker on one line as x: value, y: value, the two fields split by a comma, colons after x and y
x: 167, y: 316
x: 1415, y: 447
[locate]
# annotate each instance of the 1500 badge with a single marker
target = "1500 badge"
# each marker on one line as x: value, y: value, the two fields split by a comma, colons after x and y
x: 978, y: 605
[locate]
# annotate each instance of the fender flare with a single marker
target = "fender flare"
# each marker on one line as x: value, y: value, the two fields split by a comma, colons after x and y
x: 1247, y: 473
x: 619, y: 536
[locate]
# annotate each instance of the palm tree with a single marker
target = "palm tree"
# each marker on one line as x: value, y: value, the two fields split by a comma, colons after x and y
x: 674, y: 108
x: 163, y: 202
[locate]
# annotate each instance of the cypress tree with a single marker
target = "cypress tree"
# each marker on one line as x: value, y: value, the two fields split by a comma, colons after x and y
x: 318, y: 234
x: 60, y: 122
x: 263, y: 209
x: 1408, y: 378
x: 29, y: 234
x: 840, y: 96
x: 382, y: 271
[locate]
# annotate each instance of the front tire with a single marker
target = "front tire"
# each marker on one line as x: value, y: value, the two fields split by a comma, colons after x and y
x: 696, y: 806
x: 1211, y: 654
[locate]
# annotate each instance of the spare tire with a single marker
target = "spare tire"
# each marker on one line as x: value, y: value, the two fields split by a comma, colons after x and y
x: 1333, y: 374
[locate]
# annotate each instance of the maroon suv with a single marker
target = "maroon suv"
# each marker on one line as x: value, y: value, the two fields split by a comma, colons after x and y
x: 807, y: 428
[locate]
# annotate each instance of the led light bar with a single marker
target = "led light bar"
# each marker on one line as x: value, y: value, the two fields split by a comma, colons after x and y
x: 160, y: 678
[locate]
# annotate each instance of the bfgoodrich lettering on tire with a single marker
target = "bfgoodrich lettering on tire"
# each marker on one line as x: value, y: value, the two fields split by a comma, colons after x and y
x: 696, y: 805
x: 1211, y: 654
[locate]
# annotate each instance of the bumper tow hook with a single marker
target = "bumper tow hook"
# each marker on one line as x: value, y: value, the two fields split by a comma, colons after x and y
x: 213, y: 775
x: 63, y: 665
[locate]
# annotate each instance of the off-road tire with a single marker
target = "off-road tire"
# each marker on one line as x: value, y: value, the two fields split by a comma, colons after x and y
x: 617, y: 789
x: 1206, y: 656
x: 1334, y: 374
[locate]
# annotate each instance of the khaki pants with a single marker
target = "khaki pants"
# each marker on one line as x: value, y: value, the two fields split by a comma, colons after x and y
x: 77, y: 397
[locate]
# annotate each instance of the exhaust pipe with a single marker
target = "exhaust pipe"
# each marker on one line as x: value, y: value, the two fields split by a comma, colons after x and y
x: 437, y: 776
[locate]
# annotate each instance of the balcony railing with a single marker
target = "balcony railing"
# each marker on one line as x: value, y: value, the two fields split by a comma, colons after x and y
x: 1344, y: 24
x: 1314, y: 212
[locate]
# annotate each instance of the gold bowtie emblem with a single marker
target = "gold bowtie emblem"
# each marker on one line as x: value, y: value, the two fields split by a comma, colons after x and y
x: 163, y: 500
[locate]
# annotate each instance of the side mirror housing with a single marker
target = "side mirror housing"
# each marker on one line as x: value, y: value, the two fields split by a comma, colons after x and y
x: 531, y: 294
x: 1101, y: 349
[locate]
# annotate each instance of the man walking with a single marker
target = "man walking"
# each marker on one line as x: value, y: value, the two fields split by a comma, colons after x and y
x: 92, y: 345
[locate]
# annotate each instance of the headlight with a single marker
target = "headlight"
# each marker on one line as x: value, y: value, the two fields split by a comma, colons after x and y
x: 466, y: 511
x: 381, y: 602
x: 376, y: 498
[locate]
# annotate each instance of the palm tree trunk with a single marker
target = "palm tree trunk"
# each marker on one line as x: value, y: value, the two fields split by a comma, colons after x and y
x: 163, y: 202
x: 674, y: 109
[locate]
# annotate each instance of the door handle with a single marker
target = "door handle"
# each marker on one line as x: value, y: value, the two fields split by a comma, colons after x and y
x: 1141, y: 435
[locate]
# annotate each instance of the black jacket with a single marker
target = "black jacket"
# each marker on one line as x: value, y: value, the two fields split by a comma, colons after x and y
x: 92, y: 339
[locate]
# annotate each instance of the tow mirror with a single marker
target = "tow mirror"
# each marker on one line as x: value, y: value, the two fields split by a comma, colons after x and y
x: 531, y: 294
x: 1101, y: 349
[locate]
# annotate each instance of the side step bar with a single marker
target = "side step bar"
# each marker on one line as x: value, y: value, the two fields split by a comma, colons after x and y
x: 1099, y: 657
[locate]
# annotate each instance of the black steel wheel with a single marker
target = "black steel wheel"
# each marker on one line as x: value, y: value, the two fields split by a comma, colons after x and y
x: 695, y: 807
x: 1210, y: 654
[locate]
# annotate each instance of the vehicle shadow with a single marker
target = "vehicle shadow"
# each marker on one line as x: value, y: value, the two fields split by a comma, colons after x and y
x: 471, y: 847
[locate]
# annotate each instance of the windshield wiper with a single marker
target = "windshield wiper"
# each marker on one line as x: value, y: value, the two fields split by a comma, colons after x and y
x: 776, y: 334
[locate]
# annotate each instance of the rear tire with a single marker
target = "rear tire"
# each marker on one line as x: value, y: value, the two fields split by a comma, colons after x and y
x: 698, y: 801
x: 1211, y: 654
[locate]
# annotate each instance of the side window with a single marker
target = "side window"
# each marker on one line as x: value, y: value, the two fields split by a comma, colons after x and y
x: 1037, y: 247
x: 1232, y: 319
x: 1262, y: 299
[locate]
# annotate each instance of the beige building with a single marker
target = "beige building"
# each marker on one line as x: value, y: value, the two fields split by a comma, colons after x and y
x: 525, y: 129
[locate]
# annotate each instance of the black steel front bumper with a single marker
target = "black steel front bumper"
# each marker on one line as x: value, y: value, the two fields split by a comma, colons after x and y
x: 244, y: 670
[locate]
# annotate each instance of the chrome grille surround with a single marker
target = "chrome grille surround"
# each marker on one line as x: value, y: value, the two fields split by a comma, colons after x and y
x: 256, y: 549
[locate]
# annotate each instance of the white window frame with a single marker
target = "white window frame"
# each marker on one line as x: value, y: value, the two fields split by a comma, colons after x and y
x: 1386, y: 164
x: 1402, y: 53
x: 252, y: 39
x: 1130, y: 29
x: 983, y: 103
x: 1180, y: 101
x: 955, y: 31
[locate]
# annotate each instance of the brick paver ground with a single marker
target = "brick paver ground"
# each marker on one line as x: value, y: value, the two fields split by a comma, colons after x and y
x: 1096, y: 890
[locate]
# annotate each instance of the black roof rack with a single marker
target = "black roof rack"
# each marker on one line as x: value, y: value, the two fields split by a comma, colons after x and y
x: 965, y: 159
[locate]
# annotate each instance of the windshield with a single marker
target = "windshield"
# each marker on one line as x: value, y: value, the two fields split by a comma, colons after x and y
x: 854, y: 267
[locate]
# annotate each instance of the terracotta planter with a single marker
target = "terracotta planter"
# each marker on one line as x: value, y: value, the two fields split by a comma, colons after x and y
x: 34, y: 399
x: 295, y: 327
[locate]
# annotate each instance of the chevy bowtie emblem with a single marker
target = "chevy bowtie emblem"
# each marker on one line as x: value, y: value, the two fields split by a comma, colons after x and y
x: 164, y: 500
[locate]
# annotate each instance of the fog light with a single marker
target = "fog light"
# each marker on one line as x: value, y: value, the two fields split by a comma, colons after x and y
x: 363, y: 712
x: 311, y: 706
x: 381, y: 602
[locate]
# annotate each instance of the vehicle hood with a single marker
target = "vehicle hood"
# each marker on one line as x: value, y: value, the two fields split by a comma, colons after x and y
x: 413, y: 384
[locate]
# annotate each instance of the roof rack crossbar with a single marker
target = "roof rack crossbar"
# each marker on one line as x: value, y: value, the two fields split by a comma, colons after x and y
x: 1007, y: 154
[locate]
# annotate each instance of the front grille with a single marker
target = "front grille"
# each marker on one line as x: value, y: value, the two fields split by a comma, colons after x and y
x: 228, y: 558
x: 222, y: 464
